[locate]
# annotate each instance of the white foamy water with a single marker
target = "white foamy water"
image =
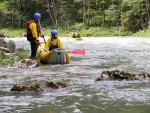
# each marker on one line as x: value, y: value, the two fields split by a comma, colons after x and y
x: 84, y: 94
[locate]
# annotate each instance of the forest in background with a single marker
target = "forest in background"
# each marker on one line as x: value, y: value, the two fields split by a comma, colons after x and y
x: 126, y: 15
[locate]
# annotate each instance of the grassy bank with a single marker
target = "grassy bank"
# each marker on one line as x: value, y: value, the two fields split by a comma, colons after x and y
x: 84, y: 31
x: 6, y: 59
x: 143, y: 33
x: 11, y: 32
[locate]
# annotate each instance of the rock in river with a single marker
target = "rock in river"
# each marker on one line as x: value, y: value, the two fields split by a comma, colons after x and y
x: 46, y: 86
x: 26, y: 63
x: 121, y: 75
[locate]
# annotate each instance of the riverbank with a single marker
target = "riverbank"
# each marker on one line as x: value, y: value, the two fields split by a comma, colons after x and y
x: 85, y: 32
x: 8, y: 59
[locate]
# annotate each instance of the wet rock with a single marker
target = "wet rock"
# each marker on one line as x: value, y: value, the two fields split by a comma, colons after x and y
x: 2, y: 43
x: 26, y: 63
x: 3, y: 77
x: 47, y: 86
x: 10, y: 55
x: 52, y: 85
x: 62, y: 85
x: 19, y: 50
x: 26, y: 87
x: 121, y: 75
x: 10, y: 45
x: 55, y: 85
x: 35, y: 87
x: 142, y: 76
x: 19, y: 88
x: 7, y: 46
x: 2, y: 36
x: 5, y: 49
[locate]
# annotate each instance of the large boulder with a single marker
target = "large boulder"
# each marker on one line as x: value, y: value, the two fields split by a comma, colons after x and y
x: 7, y: 46
x: 2, y: 43
x: 10, y: 45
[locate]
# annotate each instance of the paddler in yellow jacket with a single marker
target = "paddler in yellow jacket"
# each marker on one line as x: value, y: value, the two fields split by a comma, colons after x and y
x: 33, y: 33
x: 53, y: 42
x: 75, y: 34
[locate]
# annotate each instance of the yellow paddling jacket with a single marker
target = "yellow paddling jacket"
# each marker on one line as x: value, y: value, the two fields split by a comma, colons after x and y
x: 73, y: 35
x: 52, y: 43
x: 34, y: 30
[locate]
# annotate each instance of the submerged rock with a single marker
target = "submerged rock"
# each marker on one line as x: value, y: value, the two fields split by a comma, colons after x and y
x: 121, y: 75
x: 3, y: 77
x: 47, y: 86
x: 26, y: 63
x: 55, y: 85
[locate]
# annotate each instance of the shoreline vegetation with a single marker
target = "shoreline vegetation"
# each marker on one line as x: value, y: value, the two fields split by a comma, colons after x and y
x: 92, y: 18
x: 84, y: 32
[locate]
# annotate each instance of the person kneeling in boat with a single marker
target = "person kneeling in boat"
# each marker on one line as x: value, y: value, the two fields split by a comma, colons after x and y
x: 53, y: 42
x: 75, y: 34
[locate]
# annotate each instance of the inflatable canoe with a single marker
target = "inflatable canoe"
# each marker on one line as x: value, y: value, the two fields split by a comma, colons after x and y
x: 75, y: 39
x: 56, y: 56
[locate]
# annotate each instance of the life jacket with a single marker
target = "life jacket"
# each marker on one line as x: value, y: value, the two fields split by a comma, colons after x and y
x: 73, y: 35
x: 53, y: 44
x: 28, y: 30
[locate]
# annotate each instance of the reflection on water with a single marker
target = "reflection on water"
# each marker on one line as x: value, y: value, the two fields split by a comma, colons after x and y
x: 83, y: 94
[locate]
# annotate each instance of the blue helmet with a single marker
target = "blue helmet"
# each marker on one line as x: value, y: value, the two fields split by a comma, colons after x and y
x: 37, y: 15
x: 54, y: 32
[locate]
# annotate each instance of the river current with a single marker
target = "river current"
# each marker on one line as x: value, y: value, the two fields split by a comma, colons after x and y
x: 83, y: 94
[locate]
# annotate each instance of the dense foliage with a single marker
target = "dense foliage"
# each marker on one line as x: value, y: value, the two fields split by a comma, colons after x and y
x: 130, y: 15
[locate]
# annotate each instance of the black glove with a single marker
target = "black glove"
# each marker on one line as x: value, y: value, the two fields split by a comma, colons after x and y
x: 38, y: 42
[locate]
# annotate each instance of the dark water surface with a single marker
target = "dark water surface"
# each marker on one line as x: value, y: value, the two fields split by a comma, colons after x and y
x: 83, y: 94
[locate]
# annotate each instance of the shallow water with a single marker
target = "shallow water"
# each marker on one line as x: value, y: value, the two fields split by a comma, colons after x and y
x: 83, y: 94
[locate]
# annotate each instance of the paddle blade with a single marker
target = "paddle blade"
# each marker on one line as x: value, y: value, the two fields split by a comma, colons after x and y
x: 78, y: 52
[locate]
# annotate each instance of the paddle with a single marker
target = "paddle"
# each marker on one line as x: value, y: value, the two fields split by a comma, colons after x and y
x: 77, y: 52
x: 41, y: 31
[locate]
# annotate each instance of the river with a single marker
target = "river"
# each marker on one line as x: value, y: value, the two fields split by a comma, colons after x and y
x: 83, y: 94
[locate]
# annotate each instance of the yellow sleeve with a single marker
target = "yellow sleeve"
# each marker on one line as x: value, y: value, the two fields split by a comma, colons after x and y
x: 48, y: 43
x: 33, y: 28
x: 60, y: 44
